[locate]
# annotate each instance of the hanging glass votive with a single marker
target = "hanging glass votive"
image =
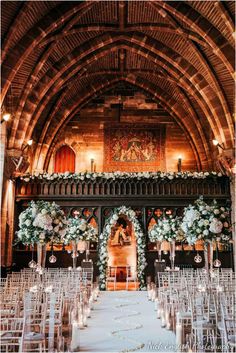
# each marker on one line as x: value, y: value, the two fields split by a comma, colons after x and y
x: 217, y: 263
x: 32, y: 264
x: 198, y: 258
x: 52, y: 259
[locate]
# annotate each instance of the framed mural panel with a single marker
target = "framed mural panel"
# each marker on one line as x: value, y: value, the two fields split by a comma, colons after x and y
x: 134, y: 148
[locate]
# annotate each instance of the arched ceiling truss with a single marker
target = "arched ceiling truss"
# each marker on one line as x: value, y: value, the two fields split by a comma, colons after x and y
x: 56, y: 56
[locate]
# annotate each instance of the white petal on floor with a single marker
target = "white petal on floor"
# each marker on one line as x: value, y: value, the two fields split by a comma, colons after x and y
x: 99, y: 335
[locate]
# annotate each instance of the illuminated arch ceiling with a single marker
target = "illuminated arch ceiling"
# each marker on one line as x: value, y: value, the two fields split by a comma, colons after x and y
x: 56, y: 56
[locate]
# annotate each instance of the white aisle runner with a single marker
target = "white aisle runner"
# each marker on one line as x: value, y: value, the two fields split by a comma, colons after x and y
x: 125, y: 322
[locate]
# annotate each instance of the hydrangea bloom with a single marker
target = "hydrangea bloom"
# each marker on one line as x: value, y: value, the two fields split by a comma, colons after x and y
x: 80, y: 229
x: 41, y: 222
x: 206, y: 222
x: 167, y: 228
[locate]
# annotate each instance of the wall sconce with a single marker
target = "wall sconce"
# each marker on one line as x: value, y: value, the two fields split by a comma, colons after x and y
x: 216, y: 143
x: 5, y: 117
x: 179, y: 165
x: 92, y: 165
x: 18, y: 160
x: 29, y: 143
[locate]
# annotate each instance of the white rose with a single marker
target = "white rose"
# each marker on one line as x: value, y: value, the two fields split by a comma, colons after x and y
x: 222, y: 209
x: 204, y: 212
x: 62, y: 232
x: 115, y: 217
x: 216, y: 211
x: 205, y: 232
x: 132, y: 214
x: 27, y: 222
x: 201, y: 223
x: 206, y: 222
x: 82, y: 227
x: 166, y: 227
x: 41, y: 236
x: 44, y: 211
x: 216, y: 226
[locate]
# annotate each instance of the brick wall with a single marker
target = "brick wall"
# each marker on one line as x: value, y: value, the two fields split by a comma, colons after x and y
x: 85, y: 133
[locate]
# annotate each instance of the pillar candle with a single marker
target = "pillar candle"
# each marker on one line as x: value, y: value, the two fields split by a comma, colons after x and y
x: 75, y: 336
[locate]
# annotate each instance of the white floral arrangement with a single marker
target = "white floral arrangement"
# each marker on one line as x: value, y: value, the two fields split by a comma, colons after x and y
x: 41, y: 222
x: 79, y: 229
x: 206, y: 222
x: 119, y: 175
x: 167, y: 228
x: 141, y: 245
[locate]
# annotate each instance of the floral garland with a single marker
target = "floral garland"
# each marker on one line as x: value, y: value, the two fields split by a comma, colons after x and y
x: 141, y: 244
x: 166, y: 229
x: 79, y: 229
x: 206, y: 222
x: 119, y: 175
x: 41, y: 222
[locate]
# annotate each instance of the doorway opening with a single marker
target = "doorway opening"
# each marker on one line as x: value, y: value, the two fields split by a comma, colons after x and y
x: 122, y: 255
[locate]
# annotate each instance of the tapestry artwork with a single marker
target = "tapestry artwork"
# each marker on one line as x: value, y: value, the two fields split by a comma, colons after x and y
x: 134, y: 148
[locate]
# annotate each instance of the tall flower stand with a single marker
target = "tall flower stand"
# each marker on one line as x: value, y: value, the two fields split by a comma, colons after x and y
x: 41, y: 254
x: 74, y: 253
x: 158, y: 246
x: 87, y: 251
x: 208, y: 255
x: 172, y: 254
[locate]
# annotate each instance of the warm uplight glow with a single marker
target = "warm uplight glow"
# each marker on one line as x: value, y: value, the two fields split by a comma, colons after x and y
x: 6, y: 116
x: 180, y: 157
x: 91, y: 156
x: 30, y: 142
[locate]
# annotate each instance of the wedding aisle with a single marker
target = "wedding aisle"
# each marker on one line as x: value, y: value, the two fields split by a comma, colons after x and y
x: 125, y: 321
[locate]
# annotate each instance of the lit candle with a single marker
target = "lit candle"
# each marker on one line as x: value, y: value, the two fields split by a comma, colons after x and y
x: 163, y: 321
x: 92, y: 165
x: 179, y: 165
x: 75, y: 336
x: 178, y: 335
x: 167, y: 318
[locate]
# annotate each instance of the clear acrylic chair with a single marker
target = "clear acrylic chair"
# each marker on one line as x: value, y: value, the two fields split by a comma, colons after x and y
x: 111, y: 276
x: 131, y: 276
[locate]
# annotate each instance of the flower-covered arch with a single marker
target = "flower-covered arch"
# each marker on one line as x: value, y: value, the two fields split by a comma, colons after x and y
x: 141, y: 244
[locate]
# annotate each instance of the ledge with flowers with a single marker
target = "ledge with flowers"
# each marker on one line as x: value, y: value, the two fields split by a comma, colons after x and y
x: 107, y: 185
x: 119, y: 175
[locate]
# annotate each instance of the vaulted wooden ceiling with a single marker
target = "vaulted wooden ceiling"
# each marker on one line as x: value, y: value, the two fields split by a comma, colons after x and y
x: 58, y: 55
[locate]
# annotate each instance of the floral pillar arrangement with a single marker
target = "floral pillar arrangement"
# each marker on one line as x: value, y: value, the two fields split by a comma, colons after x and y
x: 167, y: 229
x: 210, y: 223
x: 41, y: 223
x: 78, y: 231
